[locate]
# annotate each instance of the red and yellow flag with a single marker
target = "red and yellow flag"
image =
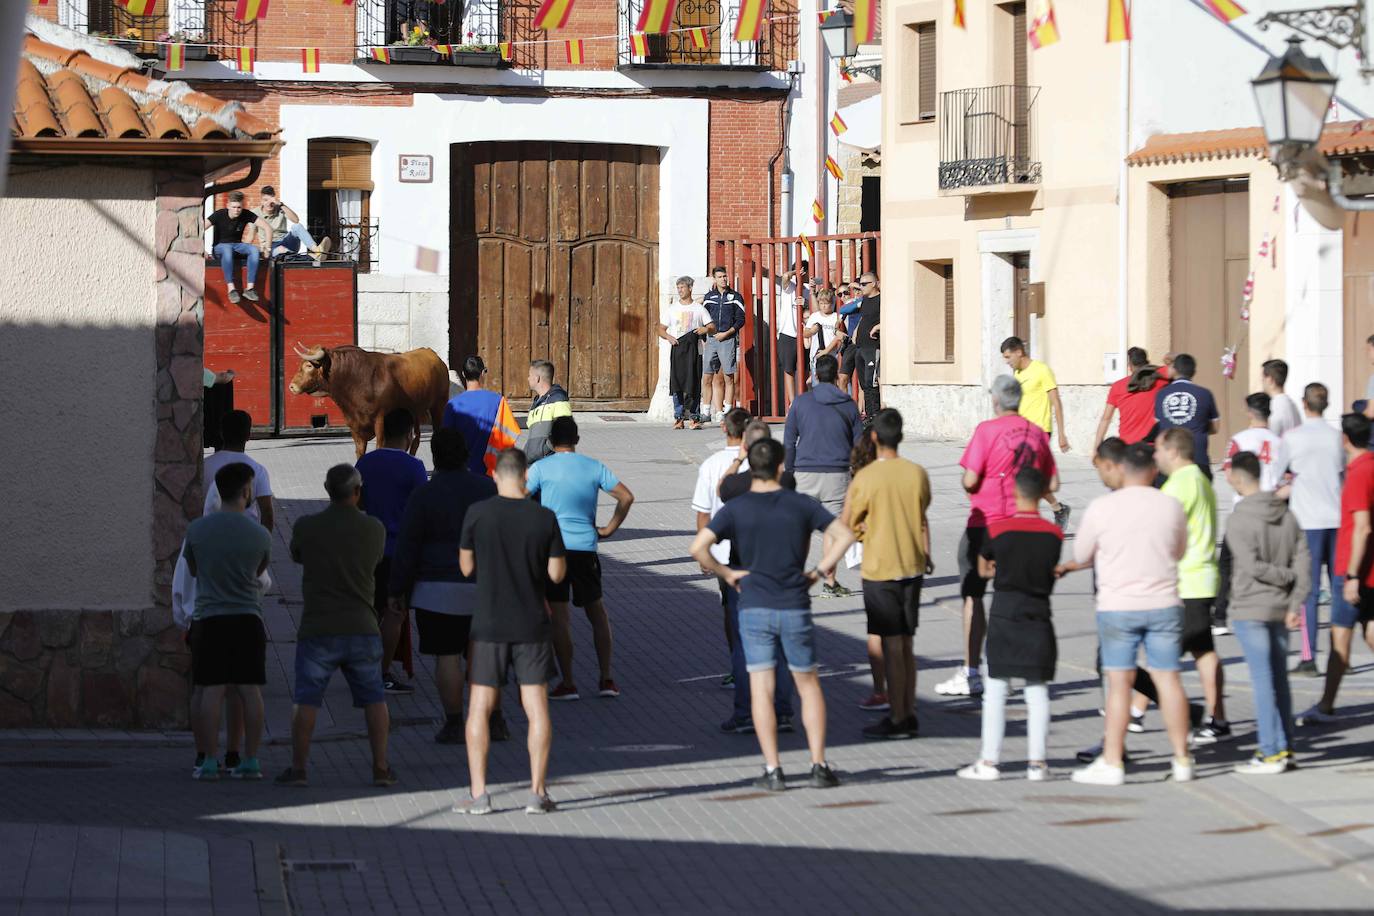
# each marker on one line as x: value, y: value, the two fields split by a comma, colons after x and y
x: 959, y: 22
x: 657, y: 16
x: 244, y: 58
x: 1118, y: 21
x: 310, y: 60
x: 639, y: 45
x: 553, y: 14
x: 833, y: 168
x: 443, y: 50
x: 1225, y: 10
x: 251, y: 10
x: 865, y: 21
x: 139, y: 7
x: 574, y: 47
x: 176, y: 57
x: 845, y: 74
x: 381, y: 55
x: 817, y: 211
x: 1042, y: 31
x: 342, y: 2
x: 805, y: 244
x: 749, y: 26
x: 837, y: 125
x: 700, y: 39
x: 41, y: 2
x: 506, y: 50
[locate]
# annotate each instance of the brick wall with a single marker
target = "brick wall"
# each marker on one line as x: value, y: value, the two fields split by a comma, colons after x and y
x: 745, y: 134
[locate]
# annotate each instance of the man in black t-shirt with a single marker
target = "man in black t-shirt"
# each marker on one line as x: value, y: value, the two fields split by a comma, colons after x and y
x: 231, y: 225
x: 867, y: 341
x: 513, y: 546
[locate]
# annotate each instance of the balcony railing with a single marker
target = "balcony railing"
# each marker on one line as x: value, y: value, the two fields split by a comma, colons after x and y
x: 988, y: 137
x: 776, y: 45
x: 205, y: 26
x: 473, y: 29
x: 354, y: 240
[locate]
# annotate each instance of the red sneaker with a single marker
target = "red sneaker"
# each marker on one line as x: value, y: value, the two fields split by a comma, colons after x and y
x: 608, y: 689
x: 876, y: 702
x: 564, y: 692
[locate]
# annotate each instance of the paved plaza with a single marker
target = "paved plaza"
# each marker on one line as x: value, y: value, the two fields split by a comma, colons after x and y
x: 656, y: 810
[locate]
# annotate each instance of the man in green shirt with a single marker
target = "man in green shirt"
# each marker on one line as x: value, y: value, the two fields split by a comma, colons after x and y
x: 1198, y: 578
x: 339, y: 548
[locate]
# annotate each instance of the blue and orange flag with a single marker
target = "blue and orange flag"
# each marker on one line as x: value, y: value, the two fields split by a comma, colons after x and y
x: 250, y: 10
x: 1118, y: 21
x: 1225, y: 10
x: 575, y: 53
x: 1042, y: 30
x: 959, y: 21
x: 176, y: 57
x: 749, y: 26
x: 865, y: 21
x: 244, y: 58
x: 553, y: 14
x: 639, y: 45
x: 310, y: 60
x: 656, y: 17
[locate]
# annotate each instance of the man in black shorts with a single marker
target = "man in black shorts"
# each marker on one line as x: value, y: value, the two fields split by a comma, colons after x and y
x: 514, y: 547
x: 425, y: 568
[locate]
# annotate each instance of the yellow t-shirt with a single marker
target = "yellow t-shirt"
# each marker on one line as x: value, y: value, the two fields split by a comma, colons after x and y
x: 890, y: 498
x: 1037, y: 381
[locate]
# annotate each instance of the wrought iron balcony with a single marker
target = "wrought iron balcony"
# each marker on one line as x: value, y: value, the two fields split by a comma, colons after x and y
x: 472, y: 29
x: 988, y: 139
x: 354, y: 240
x: 678, y: 48
x: 204, y: 26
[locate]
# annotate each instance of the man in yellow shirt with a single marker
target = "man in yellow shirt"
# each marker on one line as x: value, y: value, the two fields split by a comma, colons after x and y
x: 1040, y: 404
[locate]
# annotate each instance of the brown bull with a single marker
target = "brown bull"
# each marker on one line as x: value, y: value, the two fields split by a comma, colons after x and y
x: 367, y: 386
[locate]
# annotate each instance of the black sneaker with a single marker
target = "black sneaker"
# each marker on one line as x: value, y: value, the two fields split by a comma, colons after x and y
x: 1061, y: 517
x: 1307, y: 669
x: 772, y: 780
x: 886, y: 729
x: 394, y: 684
x: 232, y: 759
x: 451, y: 733
x: 822, y: 777
x: 785, y: 724
x: 200, y: 758
x: 250, y: 294
x: 736, y: 725
x: 384, y: 779
x: 292, y: 777
x: 912, y: 727
x: 1212, y: 731
x: 836, y: 591
x: 500, y: 731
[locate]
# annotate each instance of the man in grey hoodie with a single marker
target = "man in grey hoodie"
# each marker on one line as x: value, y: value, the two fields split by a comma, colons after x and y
x: 1269, y: 583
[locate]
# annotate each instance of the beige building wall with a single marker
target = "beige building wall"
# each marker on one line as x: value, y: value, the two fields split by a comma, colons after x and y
x: 78, y: 369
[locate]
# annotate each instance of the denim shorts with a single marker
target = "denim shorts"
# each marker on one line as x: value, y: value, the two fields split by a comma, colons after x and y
x: 763, y: 630
x: 1345, y: 614
x: 721, y: 355
x: 1122, y: 633
x: 359, y: 657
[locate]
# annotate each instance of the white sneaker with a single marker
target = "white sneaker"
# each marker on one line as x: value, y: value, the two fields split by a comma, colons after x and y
x: 1265, y: 766
x: 961, y: 684
x: 1185, y: 770
x: 1100, y: 773
x: 1314, y: 716
x: 1137, y: 723
x: 983, y: 772
x: 1221, y: 630
x: 1037, y: 772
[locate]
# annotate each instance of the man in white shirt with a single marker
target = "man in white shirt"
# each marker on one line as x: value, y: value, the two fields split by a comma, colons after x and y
x: 1316, y: 461
x: 796, y: 287
x: 1283, y: 413
x: 235, y: 430
x: 706, y: 502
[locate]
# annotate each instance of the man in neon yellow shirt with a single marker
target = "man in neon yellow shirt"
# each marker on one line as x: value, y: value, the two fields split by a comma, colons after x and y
x: 1039, y: 403
x: 1198, y: 576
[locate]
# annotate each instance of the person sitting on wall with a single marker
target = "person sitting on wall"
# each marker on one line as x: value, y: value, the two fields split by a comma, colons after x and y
x: 231, y: 224
x: 288, y: 236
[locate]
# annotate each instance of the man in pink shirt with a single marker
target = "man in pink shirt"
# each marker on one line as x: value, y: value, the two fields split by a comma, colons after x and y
x: 999, y: 448
x: 1134, y: 538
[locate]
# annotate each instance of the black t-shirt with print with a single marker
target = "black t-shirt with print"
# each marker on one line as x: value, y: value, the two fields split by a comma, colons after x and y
x: 513, y: 540
x: 230, y: 228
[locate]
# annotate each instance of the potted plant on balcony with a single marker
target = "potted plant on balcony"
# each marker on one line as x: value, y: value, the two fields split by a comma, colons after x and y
x: 131, y: 41
x: 476, y: 54
x: 416, y: 46
x: 196, y: 47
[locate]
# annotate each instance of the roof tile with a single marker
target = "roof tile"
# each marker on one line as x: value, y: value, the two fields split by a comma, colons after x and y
x: 1339, y: 138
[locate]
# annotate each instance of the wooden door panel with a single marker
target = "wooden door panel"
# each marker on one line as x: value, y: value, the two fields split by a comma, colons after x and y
x: 581, y: 321
x: 534, y: 192
x: 624, y: 191
x: 516, y: 318
x: 566, y: 192
x: 594, y: 203
x: 481, y: 187
x: 490, y: 270
x: 505, y: 195
x: 632, y: 337
x: 606, y: 288
x: 648, y: 196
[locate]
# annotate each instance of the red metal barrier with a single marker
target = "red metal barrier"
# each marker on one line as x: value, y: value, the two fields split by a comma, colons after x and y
x: 755, y: 268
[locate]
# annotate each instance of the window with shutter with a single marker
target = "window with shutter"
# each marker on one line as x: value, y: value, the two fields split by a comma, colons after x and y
x: 949, y: 312
x: 339, y: 197
x: 934, y: 326
x: 925, y: 33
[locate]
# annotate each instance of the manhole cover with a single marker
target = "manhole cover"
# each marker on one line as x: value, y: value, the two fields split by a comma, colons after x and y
x: 57, y: 764
x: 326, y: 865
x: 647, y: 748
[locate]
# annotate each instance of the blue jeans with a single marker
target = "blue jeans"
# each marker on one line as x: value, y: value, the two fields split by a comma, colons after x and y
x: 225, y: 251
x: 1265, y: 646
x: 296, y: 240
x: 782, y: 691
x: 358, y: 657
x: 1122, y: 633
x: 1321, y: 544
x: 685, y: 408
x: 773, y: 635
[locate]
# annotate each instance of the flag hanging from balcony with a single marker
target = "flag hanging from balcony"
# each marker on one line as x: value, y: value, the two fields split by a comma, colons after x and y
x: 176, y: 57
x: 342, y: 2
x: 139, y: 7
x: 505, y: 50
x: 656, y: 16
x: 1225, y: 10
x: 553, y: 14
x: 700, y: 39
x: 817, y: 211
x: 833, y: 168
x: 381, y: 55
x: 310, y: 60
x: 837, y: 125
x: 251, y: 10
x: 749, y: 26
x: 443, y: 50
x: 1042, y: 31
x: 1118, y: 21
x: 639, y: 45
x: 574, y: 46
x: 959, y: 22
x: 244, y: 59
x: 41, y: 2
x: 865, y: 21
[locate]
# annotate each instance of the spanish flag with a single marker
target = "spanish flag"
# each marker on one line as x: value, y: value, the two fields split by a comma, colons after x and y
x: 139, y: 7
x: 639, y: 45
x: 700, y: 40
x: 817, y: 211
x: 506, y: 50
x: 553, y: 14
x: 845, y: 74
x: 176, y: 57
x: 41, y: 2
x: 342, y: 2
x: 837, y: 125
x: 1042, y: 31
x: 959, y: 22
x: 251, y: 10
x: 657, y: 16
x: 443, y: 50
x: 310, y: 60
x: 1118, y: 21
x: 1225, y: 10
x: 805, y: 244
x: 244, y: 59
x: 749, y: 26
x: 833, y: 168
x: 381, y: 55
x: 865, y: 21
x: 574, y: 46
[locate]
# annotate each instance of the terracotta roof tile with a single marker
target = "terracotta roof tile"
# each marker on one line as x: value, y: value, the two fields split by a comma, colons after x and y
x: 1339, y: 138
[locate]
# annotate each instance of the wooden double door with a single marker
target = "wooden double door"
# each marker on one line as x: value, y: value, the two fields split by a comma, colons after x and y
x: 555, y: 256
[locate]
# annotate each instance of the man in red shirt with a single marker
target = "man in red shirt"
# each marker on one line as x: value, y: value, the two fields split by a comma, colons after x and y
x: 1352, y: 598
x: 1134, y: 397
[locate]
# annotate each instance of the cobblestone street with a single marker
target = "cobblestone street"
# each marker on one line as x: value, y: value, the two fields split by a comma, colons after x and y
x: 656, y: 811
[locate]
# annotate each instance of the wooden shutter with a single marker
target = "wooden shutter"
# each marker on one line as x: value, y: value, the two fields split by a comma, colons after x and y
x: 925, y: 34
x: 1019, y: 42
x: 339, y: 164
x: 949, y: 312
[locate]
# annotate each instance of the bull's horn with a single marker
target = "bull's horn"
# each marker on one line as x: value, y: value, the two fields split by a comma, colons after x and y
x: 313, y: 355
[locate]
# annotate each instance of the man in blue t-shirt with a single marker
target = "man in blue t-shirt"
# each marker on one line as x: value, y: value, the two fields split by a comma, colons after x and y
x: 390, y: 474
x: 568, y: 484
x: 1183, y: 403
x: 771, y: 527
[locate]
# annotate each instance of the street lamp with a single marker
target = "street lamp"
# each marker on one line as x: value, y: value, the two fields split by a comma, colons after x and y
x: 1293, y: 93
x: 837, y: 31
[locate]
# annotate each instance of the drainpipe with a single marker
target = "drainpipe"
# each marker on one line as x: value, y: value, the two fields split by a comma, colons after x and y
x: 254, y: 173
x: 1123, y: 285
x: 783, y: 153
x: 822, y: 97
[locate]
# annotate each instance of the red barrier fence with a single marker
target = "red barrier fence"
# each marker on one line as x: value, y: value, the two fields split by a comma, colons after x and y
x: 756, y: 268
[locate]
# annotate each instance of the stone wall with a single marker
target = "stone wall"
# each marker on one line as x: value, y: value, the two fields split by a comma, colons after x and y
x: 399, y: 313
